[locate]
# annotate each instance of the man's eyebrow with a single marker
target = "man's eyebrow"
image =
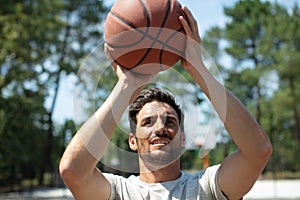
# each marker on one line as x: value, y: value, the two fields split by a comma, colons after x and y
x: 147, y: 117
x: 173, y: 114
x: 172, y: 117
x: 168, y: 115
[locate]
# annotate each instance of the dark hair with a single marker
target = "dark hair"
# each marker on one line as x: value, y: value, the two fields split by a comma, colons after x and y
x: 149, y: 95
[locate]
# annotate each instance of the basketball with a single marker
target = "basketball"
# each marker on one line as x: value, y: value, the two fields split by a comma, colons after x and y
x: 144, y: 35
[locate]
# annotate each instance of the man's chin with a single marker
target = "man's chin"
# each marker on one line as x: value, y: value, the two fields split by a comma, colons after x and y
x: 159, y: 157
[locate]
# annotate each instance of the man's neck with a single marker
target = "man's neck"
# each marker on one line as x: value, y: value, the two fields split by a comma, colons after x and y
x: 167, y: 173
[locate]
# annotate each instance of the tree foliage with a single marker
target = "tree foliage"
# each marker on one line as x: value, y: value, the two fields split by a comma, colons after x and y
x: 41, y: 43
x: 262, y: 39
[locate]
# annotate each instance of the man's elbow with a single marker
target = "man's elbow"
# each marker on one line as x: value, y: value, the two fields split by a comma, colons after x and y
x: 67, y: 173
x: 266, y: 149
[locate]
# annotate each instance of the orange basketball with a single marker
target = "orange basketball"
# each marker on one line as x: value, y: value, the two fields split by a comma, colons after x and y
x: 144, y: 35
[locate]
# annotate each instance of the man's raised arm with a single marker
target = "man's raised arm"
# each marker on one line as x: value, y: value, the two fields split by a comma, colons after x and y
x: 78, y: 164
x: 240, y: 170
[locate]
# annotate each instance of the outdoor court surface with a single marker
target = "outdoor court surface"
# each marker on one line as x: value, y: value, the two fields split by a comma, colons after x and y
x: 262, y: 190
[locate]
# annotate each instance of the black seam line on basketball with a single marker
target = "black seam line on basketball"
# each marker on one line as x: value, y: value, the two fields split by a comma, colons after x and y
x: 165, y: 45
x: 160, y: 57
x: 163, y: 48
x: 167, y: 14
x: 150, y: 37
x: 134, y: 28
x: 117, y: 61
x: 146, y: 13
x: 163, y: 24
x: 154, y: 40
x: 169, y: 38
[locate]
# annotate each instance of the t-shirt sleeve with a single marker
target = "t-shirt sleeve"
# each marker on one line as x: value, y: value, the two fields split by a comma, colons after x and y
x: 112, y: 182
x: 211, y: 178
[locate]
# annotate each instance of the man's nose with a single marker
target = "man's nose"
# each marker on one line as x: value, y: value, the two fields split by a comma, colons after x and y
x: 159, y: 126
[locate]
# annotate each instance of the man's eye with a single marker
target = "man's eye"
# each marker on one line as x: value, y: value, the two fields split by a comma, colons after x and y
x: 147, y: 121
x: 171, y: 122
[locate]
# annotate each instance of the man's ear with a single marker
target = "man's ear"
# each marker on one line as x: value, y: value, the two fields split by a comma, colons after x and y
x: 182, y: 142
x: 132, y: 142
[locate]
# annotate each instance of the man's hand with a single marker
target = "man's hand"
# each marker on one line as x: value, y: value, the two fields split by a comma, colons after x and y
x: 193, y: 41
x: 132, y: 79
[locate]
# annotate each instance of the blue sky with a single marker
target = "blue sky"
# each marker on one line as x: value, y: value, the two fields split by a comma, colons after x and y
x: 208, y: 14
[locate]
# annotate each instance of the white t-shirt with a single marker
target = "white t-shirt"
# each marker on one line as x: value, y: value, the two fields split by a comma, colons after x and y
x: 201, y: 185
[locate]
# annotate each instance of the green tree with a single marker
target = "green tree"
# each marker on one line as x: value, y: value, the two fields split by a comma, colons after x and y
x: 262, y: 39
x: 245, y: 35
x: 22, y: 93
x: 41, y: 43
x: 288, y: 58
x: 79, y: 34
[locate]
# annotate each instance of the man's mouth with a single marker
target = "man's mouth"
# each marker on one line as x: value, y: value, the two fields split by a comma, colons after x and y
x: 159, y: 141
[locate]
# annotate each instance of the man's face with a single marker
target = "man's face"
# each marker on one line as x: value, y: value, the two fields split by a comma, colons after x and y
x: 158, y: 136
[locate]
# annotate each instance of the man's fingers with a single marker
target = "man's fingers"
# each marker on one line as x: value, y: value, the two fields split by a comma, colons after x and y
x: 186, y: 26
x: 190, y: 25
x: 192, y: 21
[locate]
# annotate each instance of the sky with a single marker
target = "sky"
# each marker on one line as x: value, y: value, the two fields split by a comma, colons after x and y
x: 207, y: 13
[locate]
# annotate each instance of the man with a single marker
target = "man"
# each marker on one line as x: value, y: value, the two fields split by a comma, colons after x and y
x: 157, y: 135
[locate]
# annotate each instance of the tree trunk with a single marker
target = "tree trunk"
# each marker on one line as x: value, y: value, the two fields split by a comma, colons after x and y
x: 47, y: 151
x: 47, y: 164
x: 258, y: 108
x: 295, y: 110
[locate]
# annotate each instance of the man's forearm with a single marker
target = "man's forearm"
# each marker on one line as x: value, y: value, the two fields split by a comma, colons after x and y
x: 91, y: 140
x: 242, y: 127
x: 95, y: 134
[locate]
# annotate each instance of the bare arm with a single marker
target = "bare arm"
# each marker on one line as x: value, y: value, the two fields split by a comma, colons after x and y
x: 241, y: 169
x: 78, y: 164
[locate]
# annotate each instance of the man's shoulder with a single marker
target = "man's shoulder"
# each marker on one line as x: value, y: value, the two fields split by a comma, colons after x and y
x: 121, y: 185
x: 115, y: 176
x: 210, y: 171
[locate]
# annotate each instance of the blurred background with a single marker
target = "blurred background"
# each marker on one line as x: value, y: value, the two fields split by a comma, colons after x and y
x: 255, y: 45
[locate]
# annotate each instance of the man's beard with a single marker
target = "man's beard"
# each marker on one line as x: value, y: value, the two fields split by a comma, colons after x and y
x: 160, y: 157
